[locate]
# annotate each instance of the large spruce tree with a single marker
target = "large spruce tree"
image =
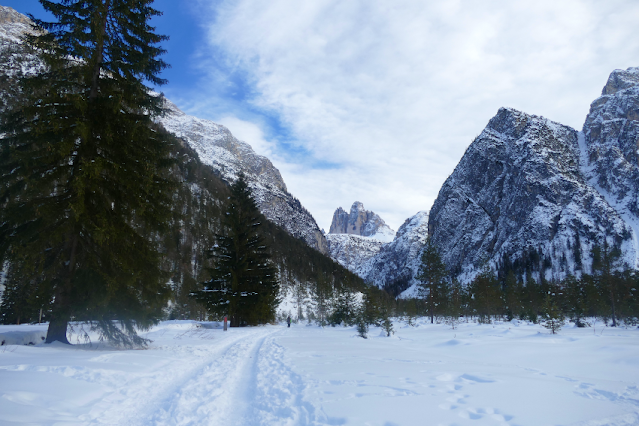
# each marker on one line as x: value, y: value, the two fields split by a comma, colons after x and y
x: 433, y: 280
x: 83, y: 172
x: 244, y: 282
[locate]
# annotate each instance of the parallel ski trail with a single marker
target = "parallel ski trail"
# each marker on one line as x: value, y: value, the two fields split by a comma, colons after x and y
x: 176, y: 394
x: 217, y: 394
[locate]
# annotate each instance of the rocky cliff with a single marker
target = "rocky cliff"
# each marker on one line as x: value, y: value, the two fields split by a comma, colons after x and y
x: 217, y: 147
x: 519, y: 199
x: 360, y: 221
x: 395, y: 265
x: 356, y: 237
x: 610, y: 145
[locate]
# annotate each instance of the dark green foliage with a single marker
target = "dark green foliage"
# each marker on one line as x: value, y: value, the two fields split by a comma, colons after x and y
x: 433, y: 278
x: 553, y: 316
x: 344, y: 309
x: 84, y: 172
x: 243, y: 282
x: 485, y: 296
x: 604, y: 264
x: 362, y: 327
x: 576, y: 299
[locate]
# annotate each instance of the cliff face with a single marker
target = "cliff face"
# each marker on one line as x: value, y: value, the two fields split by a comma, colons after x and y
x: 519, y: 199
x: 356, y: 237
x: 531, y: 195
x: 397, y: 262
x: 610, y: 146
x: 360, y: 222
x: 217, y: 147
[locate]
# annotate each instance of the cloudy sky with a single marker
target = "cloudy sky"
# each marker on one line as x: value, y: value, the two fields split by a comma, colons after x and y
x: 376, y: 101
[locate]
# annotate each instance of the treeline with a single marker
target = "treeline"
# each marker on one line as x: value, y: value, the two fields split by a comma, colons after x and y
x: 608, y: 293
x: 613, y: 299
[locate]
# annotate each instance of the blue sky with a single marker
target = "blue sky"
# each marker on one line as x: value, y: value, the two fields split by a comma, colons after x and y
x: 377, y: 101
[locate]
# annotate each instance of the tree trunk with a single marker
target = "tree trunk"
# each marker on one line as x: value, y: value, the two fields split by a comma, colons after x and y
x: 97, y: 67
x: 57, y: 331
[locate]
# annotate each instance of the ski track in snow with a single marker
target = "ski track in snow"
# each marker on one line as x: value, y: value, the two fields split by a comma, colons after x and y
x: 244, y: 382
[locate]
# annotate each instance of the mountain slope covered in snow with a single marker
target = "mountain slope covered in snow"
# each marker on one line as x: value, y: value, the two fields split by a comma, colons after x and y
x: 218, y: 148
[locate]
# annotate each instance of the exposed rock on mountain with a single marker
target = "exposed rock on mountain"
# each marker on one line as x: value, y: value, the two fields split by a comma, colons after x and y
x: 360, y: 222
x: 395, y: 266
x: 12, y: 25
x: 353, y: 251
x: 217, y: 147
x: 610, y: 143
x: 355, y: 237
x: 519, y: 199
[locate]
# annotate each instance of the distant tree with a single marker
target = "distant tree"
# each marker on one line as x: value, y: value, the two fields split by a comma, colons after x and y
x: 344, y: 309
x: 485, y: 296
x: 433, y: 280
x: 605, y: 260
x: 552, y: 317
x: 455, y: 304
x: 512, y: 304
x: 244, y: 283
x: 84, y: 171
x: 576, y: 299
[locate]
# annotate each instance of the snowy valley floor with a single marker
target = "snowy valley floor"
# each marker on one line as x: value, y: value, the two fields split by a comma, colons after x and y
x: 503, y: 374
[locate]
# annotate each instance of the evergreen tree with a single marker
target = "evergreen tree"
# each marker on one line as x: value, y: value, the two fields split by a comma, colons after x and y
x: 345, y: 309
x: 433, y: 280
x: 83, y: 180
x: 553, y: 317
x: 512, y: 304
x: 576, y: 296
x: 604, y: 262
x: 244, y: 282
x: 485, y: 296
x: 455, y: 304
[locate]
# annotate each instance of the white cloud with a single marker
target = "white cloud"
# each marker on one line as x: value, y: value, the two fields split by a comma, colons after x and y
x: 248, y: 132
x: 393, y: 92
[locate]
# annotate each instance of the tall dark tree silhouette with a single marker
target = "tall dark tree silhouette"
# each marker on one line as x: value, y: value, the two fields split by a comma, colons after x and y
x: 83, y: 172
x: 244, y: 282
x: 433, y: 280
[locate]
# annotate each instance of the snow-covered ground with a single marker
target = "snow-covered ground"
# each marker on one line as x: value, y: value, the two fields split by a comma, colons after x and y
x: 504, y: 374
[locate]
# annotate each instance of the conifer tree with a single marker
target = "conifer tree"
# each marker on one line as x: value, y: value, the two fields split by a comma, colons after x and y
x: 433, y: 280
x: 244, y: 282
x: 484, y: 295
x: 553, y: 317
x: 83, y: 180
x: 604, y: 262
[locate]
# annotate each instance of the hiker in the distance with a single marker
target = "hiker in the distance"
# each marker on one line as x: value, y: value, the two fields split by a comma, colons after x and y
x: 288, y: 320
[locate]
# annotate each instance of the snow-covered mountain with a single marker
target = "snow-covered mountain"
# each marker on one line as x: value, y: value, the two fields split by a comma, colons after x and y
x: 519, y: 199
x: 217, y: 147
x: 356, y: 237
x: 12, y: 25
x: 532, y: 196
x: 395, y: 266
x: 609, y: 145
x: 353, y: 251
x: 360, y: 221
x: 390, y: 265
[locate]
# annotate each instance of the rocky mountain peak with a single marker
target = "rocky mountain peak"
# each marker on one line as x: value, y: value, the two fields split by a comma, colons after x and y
x: 13, y: 24
x: 9, y: 15
x: 620, y: 80
x: 360, y: 221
